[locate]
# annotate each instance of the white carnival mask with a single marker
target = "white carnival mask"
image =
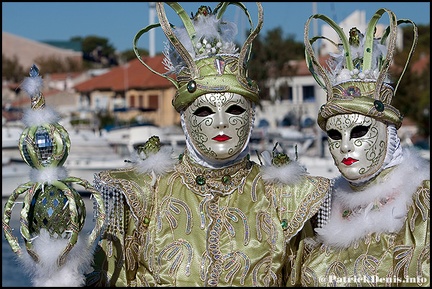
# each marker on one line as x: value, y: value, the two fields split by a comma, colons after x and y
x: 219, y: 125
x: 358, y: 145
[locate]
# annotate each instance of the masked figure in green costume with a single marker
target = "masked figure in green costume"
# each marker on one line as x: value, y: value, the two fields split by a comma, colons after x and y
x: 374, y: 226
x: 211, y: 217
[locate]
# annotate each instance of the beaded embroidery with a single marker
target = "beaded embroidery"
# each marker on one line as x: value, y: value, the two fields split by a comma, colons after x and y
x: 203, y: 180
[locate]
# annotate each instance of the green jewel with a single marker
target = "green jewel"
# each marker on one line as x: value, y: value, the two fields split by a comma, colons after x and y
x: 280, y: 159
x: 379, y: 106
x: 180, y: 157
x: 284, y: 224
x: 249, y: 82
x: 146, y: 220
x: 226, y: 179
x: 368, y: 50
x: 346, y: 213
x: 191, y: 86
x: 200, y: 180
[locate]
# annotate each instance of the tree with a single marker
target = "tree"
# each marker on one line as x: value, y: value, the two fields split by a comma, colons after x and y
x: 271, y: 55
x: 98, y: 50
x: 413, y: 94
x: 11, y: 69
x: 129, y: 55
x: 54, y: 64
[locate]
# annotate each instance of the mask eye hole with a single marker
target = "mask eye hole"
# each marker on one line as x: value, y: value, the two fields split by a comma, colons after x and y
x: 334, y: 134
x: 203, y: 111
x: 235, y: 110
x: 359, y: 131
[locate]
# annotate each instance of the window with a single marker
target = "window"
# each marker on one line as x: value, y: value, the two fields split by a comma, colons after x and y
x: 308, y: 93
x: 141, y: 101
x: 132, y: 101
x: 286, y: 92
x: 153, y: 101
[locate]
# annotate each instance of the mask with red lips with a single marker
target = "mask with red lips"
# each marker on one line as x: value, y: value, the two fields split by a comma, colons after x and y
x: 358, y: 145
x: 219, y: 125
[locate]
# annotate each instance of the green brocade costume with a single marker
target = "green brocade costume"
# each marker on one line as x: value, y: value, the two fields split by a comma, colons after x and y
x: 393, y: 250
x: 379, y: 259
x: 168, y: 230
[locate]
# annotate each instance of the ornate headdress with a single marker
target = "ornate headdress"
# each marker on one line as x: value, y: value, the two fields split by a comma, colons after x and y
x: 203, y: 55
x: 356, y: 80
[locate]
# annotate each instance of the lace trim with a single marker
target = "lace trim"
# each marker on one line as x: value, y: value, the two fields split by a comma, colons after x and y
x: 202, y: 180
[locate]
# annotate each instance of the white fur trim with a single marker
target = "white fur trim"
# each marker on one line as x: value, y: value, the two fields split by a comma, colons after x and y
x: 159, y: 163
x: 46, y: 273
x: 36, y: 117
x: 32, y: 85
x: 288, y: 174
x: 400, y: 184
x: 48, y: 175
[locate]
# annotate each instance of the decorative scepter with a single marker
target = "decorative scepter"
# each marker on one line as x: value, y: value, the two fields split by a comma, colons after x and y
x: 53, y: 212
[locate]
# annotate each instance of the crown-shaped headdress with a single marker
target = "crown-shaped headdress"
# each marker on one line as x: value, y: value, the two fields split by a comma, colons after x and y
x: 356, y: 79
x: 203, y: 55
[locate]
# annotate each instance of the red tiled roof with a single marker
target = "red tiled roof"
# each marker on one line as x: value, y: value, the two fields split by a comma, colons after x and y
x: 133, y: 75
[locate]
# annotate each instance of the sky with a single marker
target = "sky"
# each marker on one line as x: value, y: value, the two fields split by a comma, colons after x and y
x: 120, y: 21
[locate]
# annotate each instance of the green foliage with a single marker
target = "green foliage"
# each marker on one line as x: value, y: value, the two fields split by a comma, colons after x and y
x: 271, y: 55
x: 92, y: 43
x: 54, y: 64
x: 98, y: 52
x: 11, y: 69
x: 106, y: 120
x: 413, y: 94
x: 129, y: 55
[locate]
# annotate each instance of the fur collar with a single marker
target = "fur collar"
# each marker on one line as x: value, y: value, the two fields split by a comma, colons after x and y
x: 380, y: 207
x: 287, y: 174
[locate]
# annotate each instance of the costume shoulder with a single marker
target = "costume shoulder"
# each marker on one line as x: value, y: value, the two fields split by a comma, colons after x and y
x: 298, y: 194
x: 303, y: 200
x: 135, y: 183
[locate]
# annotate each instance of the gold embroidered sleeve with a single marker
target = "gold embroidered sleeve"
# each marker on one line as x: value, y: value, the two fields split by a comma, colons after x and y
x: 298, y: 204
x: 127, y: 197
x: 379, y: 259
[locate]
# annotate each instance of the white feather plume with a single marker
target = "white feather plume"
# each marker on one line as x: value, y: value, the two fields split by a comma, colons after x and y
x: 287, y: 174
x: 337, y: 63
x: 47, y: 273
x: 36, y: 117
x: 48, y: 174
x: 159, y: 163
x: 209, y: 28
x: 399, y: 185
x: 32, y: 85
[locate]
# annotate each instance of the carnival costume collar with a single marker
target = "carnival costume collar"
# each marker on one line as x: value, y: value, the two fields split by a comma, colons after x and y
x: 379, y: 207
x: 203, y: 180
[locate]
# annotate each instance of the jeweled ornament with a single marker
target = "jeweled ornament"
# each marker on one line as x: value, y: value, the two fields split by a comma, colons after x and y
x: 50, y: 202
